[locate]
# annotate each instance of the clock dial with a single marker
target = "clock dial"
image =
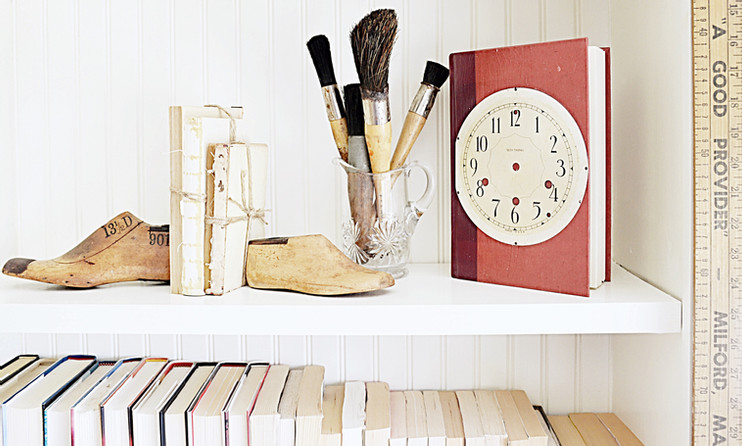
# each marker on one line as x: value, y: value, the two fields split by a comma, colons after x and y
x: 521, y: 166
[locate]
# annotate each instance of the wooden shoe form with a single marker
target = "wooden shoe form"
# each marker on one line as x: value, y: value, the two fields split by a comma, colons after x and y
x: 309, y: 264
x: 124, y: 249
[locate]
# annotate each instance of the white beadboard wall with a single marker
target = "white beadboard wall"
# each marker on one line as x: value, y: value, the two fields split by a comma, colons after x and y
x: 84, y: 91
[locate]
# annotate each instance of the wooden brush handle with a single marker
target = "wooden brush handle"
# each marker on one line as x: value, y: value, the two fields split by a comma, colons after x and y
x: 413, y: 124
x: 340, y: 133
x: 362, y: 210
x: 379, y: 142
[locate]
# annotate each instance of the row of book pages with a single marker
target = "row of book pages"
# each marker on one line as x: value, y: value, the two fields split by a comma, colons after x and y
x: 81, y: 401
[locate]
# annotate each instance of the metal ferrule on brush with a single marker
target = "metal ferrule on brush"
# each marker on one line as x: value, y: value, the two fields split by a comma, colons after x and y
x: 376, y: 108
x: 424, y: 99
x: 333, y: 102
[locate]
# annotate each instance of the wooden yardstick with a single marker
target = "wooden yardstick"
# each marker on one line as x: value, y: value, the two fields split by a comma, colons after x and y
x: 717, y: 88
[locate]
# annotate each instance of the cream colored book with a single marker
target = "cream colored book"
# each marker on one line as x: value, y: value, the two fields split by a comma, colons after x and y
x: 190, y: 135
x: 566, y: 431
x: 18, y: 381
x: 517, y: 435
x: 536, y: 434
x: 237, y: 411
x: 265, y: 417
x: 378, y: 414
x: 543, y: 420
x: 620, y: 431
x: 452, y: 419
x: 494, y: 427
x: 205, y: 420
x: 354, y: 413
x: 287, y: 409
x: 174, y: 413
x: 235, y: 200
x: 592, y: 429
x: 15, y: 365
x: 398, y: 414
x: 417, y: 423
x: 473, y: 430
x: 332, y: 416
x: 309, y: 406
x: 434, y: 418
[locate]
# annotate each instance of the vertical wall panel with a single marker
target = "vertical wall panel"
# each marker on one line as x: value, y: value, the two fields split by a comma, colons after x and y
x: 525, y: 21
x: 560, y: 19
x: 595, y: 21
x: 461, y: 362
x: 155, y: 95
x: 261, y: 348
x: 493, y: 361
x: 393, y: 361
x: 428, y: 362
x: 329, y: 352
x: 292, y: 350
x: 596, y: 372
x: 32, y: 138
x: 9, y: 200
x: 10, y: 346
x: 359, y: 358
x: 560, y: 374
x: 527, y: 367
x: 221, y: 51
x: 163, y: 346
x: 93, y: 117
x: 102, y: 346
x: 490, y: 25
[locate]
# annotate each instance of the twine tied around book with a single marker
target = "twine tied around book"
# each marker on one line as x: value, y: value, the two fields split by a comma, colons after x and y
x: 246, y: 205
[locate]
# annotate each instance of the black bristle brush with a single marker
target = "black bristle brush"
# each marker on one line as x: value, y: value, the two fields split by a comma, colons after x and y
x: 372, y: 40
x: 319, y: 50
x: 357, y: 152
x: 435, y: 76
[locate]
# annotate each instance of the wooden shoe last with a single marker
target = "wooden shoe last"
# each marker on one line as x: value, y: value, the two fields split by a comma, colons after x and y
x: 124, y: 249
x: 309, y: 264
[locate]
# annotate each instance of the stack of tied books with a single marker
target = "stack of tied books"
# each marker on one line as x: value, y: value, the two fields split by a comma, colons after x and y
x: 217, y: 185
x: 78, y: 400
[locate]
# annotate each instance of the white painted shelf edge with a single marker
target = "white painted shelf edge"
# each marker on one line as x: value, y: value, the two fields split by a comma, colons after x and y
x: 426, y: 302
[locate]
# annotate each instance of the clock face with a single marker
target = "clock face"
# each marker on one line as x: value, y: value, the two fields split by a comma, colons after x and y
x: 521, y: 166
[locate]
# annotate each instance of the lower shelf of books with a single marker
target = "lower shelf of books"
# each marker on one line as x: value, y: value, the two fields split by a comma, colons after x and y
x: 78, y: 399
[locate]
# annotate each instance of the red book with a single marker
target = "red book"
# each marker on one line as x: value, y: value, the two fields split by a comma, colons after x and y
x: 562, y: 262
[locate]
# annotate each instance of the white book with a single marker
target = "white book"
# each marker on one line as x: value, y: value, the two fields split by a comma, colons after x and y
x: 173, y: 414
x: 20, y: 380
x: 145, y: 415
x: 236, y: 413
x: 114, y: 409
x: 417, y: 423
x: 471, y: 418
x: 517, y: 435
x: 205, y: 419
x: 597, y: 159
x: 492, y: 423
x: 23, y: 412
x: 452, y: 418
x: 309, y: 406
x: 58, y: 426
x: 15, y: 365
x: 378, y: 414
x: 398, y: 419
x: 265, y: 417
x: 85, y: 420
x: 192, y: 129
x: 354, y: 413
x: 287, y: 409
x: 536, y: 434
x: 332, y: 416
x: 239, y: 183
x: 434, y: 418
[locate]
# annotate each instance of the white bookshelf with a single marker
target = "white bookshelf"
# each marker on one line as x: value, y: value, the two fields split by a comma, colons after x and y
x: 84, y: 91
x: 428, y: 302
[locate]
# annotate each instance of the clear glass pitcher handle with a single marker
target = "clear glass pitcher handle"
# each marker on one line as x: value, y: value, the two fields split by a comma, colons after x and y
x: 422, y: 204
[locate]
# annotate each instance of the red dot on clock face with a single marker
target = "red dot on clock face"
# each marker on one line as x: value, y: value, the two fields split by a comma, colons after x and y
x: 485, y: 181
x: 548, y: 184
x: 516, y: 201
x: 516, y: 167
x: 548, y: 214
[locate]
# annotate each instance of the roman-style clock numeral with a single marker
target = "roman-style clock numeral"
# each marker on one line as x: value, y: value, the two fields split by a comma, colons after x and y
x: 495, y: 125
x: 536, y: 124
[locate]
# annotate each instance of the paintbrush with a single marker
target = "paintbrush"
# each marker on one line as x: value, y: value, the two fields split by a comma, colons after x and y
x: 319, y: 49
x: 434, y: 77
x: 360, y: 186
x: 372, y: 40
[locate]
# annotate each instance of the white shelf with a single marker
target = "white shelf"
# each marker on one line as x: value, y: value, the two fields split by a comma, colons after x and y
x: 426, y: 302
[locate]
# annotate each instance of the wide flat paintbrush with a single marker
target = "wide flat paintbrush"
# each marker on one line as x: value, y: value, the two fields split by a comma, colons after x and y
x: 434, y: 77
x: 372, y: 40
x: 319, y: 49
x: 360, y: 186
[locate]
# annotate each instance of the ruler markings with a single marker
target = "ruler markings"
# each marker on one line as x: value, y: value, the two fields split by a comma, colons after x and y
x: 717, y: 357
